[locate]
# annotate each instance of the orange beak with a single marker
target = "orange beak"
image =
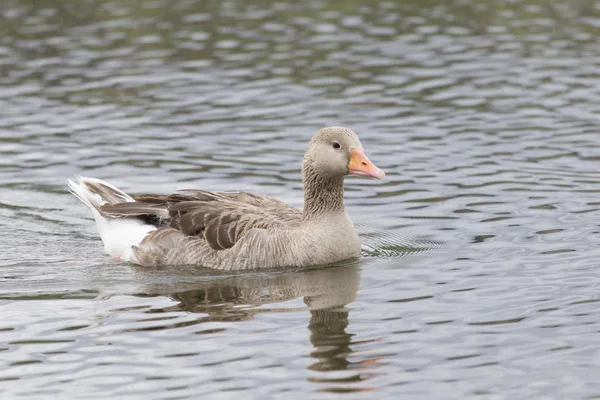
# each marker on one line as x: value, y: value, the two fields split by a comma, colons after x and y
x: 360, y: 165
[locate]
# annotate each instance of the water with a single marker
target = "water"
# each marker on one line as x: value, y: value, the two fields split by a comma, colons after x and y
x: 479, y: 277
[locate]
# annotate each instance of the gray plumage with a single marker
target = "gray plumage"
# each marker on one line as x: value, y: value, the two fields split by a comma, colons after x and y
x: 232, y: 231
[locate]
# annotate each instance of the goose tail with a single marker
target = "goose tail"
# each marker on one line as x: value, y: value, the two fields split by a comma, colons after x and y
x: 119, y: 235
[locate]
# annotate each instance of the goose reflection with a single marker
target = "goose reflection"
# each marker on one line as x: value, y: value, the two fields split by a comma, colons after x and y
x: 326, y: 292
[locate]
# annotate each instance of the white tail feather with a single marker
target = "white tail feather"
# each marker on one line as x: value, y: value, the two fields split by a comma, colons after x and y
x: 117, y: 234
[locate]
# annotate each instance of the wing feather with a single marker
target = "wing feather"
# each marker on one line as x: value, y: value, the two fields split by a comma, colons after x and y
x: 219, y: 218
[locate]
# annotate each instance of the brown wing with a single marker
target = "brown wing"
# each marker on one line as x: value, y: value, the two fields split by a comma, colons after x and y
x: 220, y: 218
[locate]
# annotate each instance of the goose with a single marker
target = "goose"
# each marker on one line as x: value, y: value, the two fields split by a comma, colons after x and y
x: 237, y: 230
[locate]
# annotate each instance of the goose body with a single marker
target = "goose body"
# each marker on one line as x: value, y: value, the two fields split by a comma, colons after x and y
x: 237, y: 230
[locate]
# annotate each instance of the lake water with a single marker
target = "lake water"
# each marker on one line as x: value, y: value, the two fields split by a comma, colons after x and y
x: 479, y: 277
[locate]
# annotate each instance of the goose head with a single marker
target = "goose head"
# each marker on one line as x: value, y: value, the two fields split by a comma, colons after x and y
x: 336, y: 151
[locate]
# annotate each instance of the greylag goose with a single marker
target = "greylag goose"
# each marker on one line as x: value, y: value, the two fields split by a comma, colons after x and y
x: 237, y: 230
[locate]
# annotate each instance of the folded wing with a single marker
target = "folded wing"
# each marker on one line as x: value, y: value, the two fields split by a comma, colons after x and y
x: 219, y: 218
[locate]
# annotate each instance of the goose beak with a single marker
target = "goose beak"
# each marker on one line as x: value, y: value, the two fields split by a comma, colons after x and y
x: 360, y: 165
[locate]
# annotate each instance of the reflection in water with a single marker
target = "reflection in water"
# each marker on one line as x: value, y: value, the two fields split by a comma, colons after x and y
x: 326, y: 292
x: 330, y: 339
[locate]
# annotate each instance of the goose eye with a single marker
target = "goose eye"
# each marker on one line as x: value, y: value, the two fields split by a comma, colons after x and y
x: 336, y: 145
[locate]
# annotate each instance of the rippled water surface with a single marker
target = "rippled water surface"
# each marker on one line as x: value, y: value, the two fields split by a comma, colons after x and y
x: 479, y: 277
